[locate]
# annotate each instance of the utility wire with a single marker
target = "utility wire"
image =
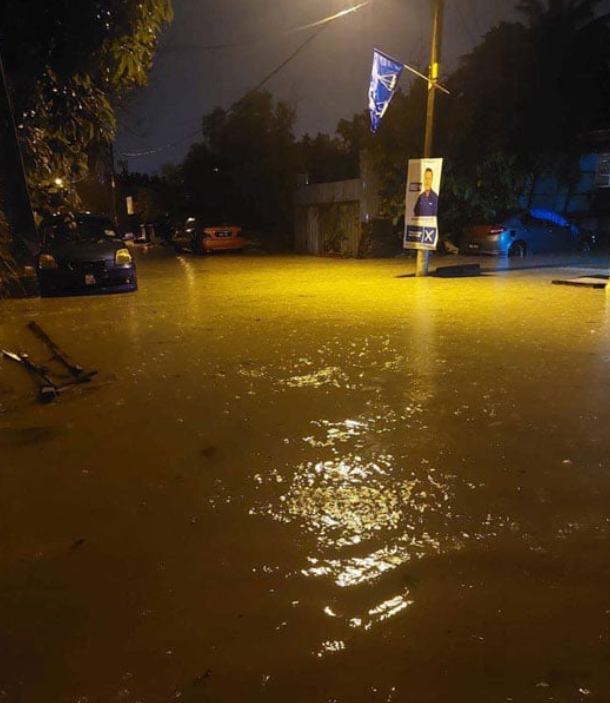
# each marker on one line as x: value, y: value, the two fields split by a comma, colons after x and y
x: 151, y: 152
x: 464, y: 24
x: 291, y: 57
x: 320, y: 24
x: 257, y: 40
x: 475, y: 15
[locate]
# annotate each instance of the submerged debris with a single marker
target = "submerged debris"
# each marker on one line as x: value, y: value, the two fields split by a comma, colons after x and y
x: 49, y: 388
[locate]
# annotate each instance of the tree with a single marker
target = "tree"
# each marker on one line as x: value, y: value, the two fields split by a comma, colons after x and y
x: 244, y: 169
x: 568, y: 91
x: 70, y: 66
x: 531, y: 89
x: 487, y: 94
x: 154, y: 197
x: 325, y: 159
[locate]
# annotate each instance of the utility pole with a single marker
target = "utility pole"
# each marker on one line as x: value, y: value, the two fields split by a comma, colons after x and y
x: 17, y: 203
x: 423, y: 255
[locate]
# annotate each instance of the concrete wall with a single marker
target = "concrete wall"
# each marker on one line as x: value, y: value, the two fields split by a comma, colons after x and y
x: 329, y: 216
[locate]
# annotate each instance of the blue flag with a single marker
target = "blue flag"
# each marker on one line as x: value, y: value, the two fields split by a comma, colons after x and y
x: 384, y: 78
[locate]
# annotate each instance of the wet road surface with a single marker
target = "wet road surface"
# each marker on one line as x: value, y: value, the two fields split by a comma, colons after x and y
x: 310, y: 480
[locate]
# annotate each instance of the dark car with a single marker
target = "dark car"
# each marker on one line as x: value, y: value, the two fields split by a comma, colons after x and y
x: 522, y: 232
x: 83, y: 254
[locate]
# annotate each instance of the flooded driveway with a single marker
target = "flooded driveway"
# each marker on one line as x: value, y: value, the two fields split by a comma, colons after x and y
x: 310, y: 480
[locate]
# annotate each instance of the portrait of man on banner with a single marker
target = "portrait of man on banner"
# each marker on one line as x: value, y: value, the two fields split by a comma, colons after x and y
x: 421, y: 203
x: 427, y: 202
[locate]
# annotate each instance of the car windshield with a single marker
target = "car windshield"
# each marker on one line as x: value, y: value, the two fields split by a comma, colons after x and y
x: 493, y: 218
x: 82, y: 231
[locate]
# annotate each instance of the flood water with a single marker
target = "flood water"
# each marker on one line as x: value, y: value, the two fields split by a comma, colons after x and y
x: 309, y: 481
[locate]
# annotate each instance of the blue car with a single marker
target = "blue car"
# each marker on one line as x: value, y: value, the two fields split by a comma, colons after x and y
x: 523, y: 232
x: 83, y: 254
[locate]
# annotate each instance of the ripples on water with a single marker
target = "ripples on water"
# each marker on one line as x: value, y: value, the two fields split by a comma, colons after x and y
x: 368, y: 501
x: 367, y: 512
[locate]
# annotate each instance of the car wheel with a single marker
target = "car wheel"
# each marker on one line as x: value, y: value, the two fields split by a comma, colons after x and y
x: 517, y: 250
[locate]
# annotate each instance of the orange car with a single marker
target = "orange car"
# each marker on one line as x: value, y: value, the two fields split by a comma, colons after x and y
x: 202, y: 240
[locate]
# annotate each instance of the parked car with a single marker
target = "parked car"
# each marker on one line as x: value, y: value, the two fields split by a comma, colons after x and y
x: 524, y: 232
x: 199, y: 239
x: 83, y: 253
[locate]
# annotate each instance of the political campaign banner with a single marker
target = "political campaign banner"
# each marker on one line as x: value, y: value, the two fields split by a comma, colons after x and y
x: 384, y: 78
x: 421, y: 204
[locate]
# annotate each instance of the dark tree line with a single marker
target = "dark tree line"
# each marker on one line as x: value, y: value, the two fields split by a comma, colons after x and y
x: 244, y: 169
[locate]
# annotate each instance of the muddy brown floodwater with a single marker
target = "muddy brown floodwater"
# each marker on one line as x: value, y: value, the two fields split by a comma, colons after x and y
x: 310, y: 481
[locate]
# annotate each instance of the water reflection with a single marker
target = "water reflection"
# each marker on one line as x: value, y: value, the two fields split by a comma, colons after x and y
x: 331, y: 376
x: 368, y: 512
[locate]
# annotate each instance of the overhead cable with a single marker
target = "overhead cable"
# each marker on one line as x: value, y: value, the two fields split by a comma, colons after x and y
x: 290, y: 58
x: 257, y: 40
x: 320, y: 24
x: 151, y: 152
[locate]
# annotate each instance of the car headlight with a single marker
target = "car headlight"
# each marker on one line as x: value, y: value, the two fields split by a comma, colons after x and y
x: 122, y: 257
x: 47, y: 261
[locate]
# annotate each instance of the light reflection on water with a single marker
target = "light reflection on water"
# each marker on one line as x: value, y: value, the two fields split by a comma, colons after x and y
x: 368, y: 513
x: 369, y: 490
x: 371, y: 508
x: 371, y: 617
x: 331, y: 376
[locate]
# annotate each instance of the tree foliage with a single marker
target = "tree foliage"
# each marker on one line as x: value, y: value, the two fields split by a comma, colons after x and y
x: 70, y: 65
x: 244, y: 167
x: 532, y: 88
x: 326, y: 158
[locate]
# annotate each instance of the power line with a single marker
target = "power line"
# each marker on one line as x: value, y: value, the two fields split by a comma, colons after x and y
x: 290, y: 58
x: 320, y: 24
x: 475, y: 15
x: 151, y: 152
x: 466, y: 27
x: 257, y: 40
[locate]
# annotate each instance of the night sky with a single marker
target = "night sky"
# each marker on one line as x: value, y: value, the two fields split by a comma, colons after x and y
x: 327, y: 81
